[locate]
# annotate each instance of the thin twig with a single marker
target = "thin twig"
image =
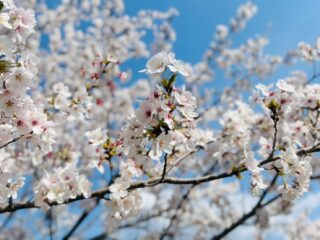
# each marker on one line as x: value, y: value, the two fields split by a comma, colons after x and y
x: 144, y: 219
x: 315, y: 177
x: 49, y: 217
x: 250, y: 214
x: 194, y: 150
x: 12, y: 141
x: 274, y: 116
x: 314, y: 77
x: 80, y: 220
x: 244, y: 218
x: 164, y: 167
x: 183, y: 199
x: 8, y: 219
x: 175, y: 215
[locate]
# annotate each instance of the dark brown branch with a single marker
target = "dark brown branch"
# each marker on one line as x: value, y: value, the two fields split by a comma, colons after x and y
x: 314, y: 124
x: 180, y: 204
x: 315, y: 177
x: 314, y: 77
x: 250, y: 214
x: 144, y: 219
x: 274, y: 116
x: 169, y: 180
x: 244, y: 218
x: 175, y: 215
x: 164, y: 167
x: 101, y: 236
x: 50, y: 222
x: 265, y: 192
x: 7, y: 220
x: 104, y: 235
x: 195, y: 150
x: 83, y: 216
x: 12, y: 141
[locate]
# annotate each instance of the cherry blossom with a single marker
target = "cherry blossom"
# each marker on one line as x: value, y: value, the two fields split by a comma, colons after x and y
x: 64, y: 183
x: 159, y: 62
x: 86, y: 140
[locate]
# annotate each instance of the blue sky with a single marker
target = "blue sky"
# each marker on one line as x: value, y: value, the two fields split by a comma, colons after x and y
x: 286, y: 22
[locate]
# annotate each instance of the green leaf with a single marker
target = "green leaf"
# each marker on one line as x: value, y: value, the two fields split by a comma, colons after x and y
x: 1, y: 5
x: 273, y: 105
x: 172, y: 81
x: 164, y: 83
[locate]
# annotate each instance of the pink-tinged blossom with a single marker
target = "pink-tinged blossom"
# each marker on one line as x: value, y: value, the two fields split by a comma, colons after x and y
x: 265, y: 90
x: 23, y: 22
x: 119, y: 189
x: 96, y: 137
x: 61, y: 89
x: 256, y: 179
x: 283, y: 85
x: 161, y: 144
x: 61, y: 185
x: 130, y: 169
x: 10, y: 184
x: 185, y: 98
x: 188, y: 112
x: 145, y: 113
x: 158, y: 63
x: 251, y: 163
x: 19, y: 80
x: 127, y: 206
x: 6, y: 133
x: 177, y: 66
x: 37, y: 121
x: 265, y: 147
x: 295, y: 168
x: 162, y: 60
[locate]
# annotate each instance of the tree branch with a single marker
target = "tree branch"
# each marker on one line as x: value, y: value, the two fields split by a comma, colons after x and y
x: 274, y: 116
x: 314, y: 77
x: 13, y: 140
x: 194, y: 150
x: 80, y: 220
x: 244, y: 218
x: 251, y: 213
x: 169, y: 180
x: 183, y: 199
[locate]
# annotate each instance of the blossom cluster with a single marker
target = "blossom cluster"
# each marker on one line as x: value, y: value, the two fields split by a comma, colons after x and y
x: 21, y: 117
x: 282, y: 129
x: 163, y: 122
x: 244, y: 13
x: 309, y: 53
x: 61, y: 185
x: 9, y: 183
x: 153, y: 126
x: 294, y: 131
